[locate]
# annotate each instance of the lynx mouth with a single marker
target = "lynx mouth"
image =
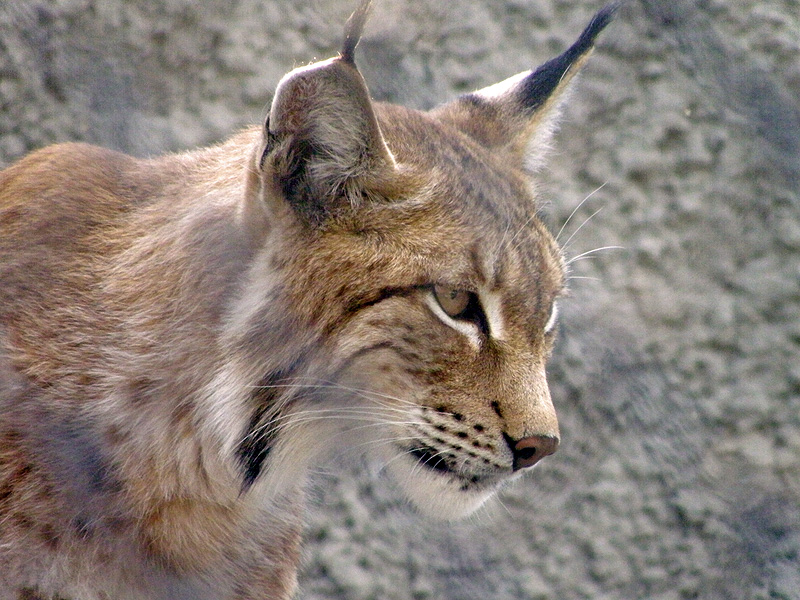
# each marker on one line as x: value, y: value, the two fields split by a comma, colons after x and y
x: 437, y: 462
x: 438, y: 483
x: 432, y: 459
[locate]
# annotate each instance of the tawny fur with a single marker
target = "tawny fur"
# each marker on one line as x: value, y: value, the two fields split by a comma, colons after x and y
x: 182, y: 338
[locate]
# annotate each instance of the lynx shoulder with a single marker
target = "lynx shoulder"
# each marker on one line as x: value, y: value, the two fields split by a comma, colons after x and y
x: 182, y: 339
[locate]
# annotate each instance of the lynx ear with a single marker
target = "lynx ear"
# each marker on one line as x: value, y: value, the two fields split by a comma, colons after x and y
x: 522, y: 112
x: 322, y: 143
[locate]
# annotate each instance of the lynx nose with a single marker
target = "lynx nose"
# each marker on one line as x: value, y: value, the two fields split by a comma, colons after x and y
x: 530, y: 450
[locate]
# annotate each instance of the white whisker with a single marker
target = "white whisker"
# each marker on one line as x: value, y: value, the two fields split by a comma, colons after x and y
x: 565, y: 246
x: 386, y: 441
x: 576, y: 209
x: 583, y: 255
x: 284, y: 422
x: 520, y: 230
x: 571, y: 277
x: 326, y: 385
x: 499, y: 500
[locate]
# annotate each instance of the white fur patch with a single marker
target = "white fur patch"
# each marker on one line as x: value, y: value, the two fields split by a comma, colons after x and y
x: 259, y: 284
x: 433, y: 494
x: 224, y: 403
x: 551, y: 322
x: 498, y: 90
x: 493, y: 309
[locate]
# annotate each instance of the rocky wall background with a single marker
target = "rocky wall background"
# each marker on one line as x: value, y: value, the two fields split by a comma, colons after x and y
x: 677, y: 376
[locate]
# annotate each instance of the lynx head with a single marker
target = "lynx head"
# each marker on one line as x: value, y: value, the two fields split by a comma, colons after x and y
x: 417, y: 288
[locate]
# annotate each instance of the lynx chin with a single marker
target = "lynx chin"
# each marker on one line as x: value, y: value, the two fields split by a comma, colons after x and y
x: 182, y: 339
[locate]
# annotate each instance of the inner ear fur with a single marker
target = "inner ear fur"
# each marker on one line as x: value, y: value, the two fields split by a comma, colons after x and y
x: 521, y: 113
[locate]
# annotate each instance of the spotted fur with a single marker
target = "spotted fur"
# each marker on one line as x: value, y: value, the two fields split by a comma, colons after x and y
x: 183, y: 338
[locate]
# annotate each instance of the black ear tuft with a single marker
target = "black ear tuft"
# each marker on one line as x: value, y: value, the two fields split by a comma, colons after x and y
x: 538, y: 87
x: 353, y: 30
x: 521, y: 113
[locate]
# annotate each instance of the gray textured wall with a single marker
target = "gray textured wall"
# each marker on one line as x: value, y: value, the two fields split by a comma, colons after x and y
x: 677, y: 375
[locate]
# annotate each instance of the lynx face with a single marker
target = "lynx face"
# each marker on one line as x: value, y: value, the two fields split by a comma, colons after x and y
x: 428, y: 281
x: 435, y: 335
x: 183, y: 339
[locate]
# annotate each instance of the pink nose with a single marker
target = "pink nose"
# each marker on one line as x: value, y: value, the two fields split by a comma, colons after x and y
x: 530, y: 450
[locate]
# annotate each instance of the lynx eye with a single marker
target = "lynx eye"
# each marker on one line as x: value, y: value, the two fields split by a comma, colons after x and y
x: 453, y: 301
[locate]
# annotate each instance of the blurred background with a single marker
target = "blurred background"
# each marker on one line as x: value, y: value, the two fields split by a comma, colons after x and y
x: 677, y: 373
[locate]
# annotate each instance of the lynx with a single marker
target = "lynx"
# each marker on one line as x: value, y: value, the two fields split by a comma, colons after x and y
x: 182, y: 339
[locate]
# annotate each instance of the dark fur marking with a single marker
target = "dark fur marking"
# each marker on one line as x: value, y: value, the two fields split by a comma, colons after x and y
x: 115, y: 435
x: 367, y: 350
x: 431, y: 458
x: 32, y: 594
x: 6, y: 491
x: 259, y: 439
x: 539, y: 86
x: 139, y: 390
x: 464, y: 158
x: 49, y: 536
x: 22, y: 521
x: 256, y: 444
x: 13, y: 484
x: 81, y: 459
x: 353, y: 30
x: 200, y: 465
x: 496, y: 408
x: 83, y: 528
x: 73, y: 461
x: 387, y: 345
x: 363, y: 302
x: 428, y: 375
x: 474, y: 313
